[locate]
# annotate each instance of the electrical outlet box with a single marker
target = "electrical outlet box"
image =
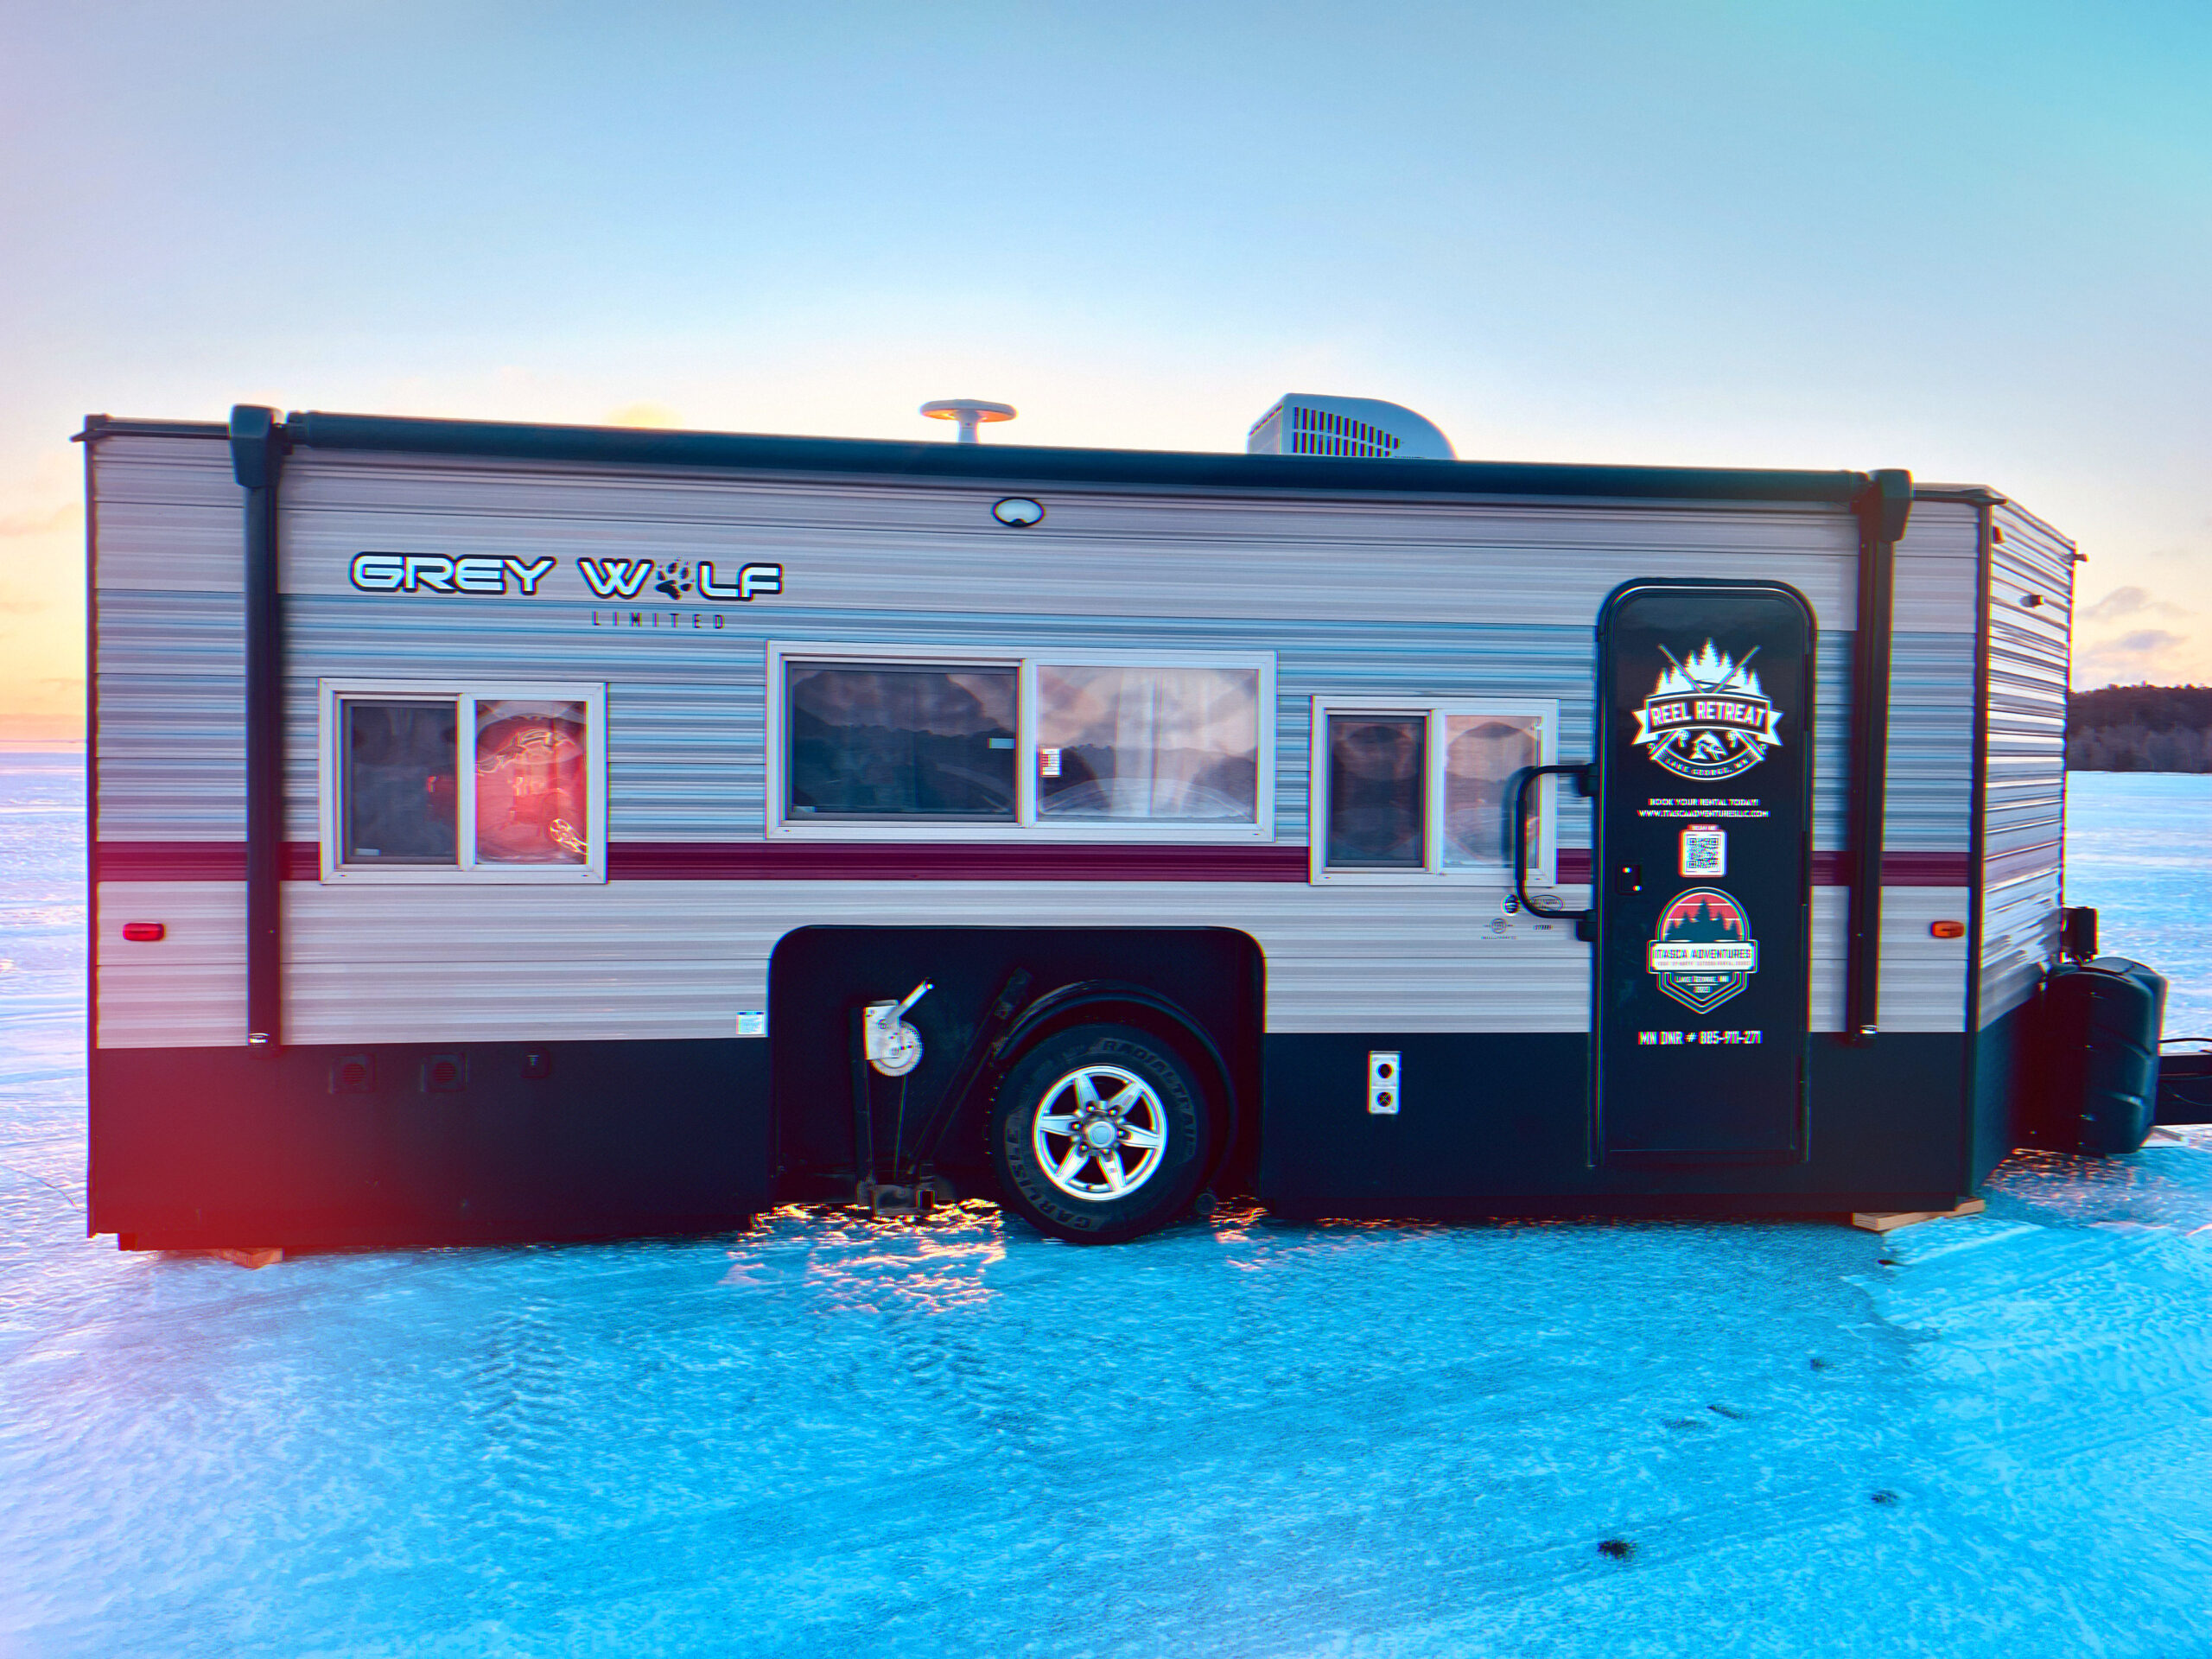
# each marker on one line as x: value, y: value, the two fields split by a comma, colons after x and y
x: 1385, y: 1080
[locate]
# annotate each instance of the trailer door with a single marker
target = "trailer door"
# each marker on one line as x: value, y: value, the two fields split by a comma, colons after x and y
x: 1702, y: 874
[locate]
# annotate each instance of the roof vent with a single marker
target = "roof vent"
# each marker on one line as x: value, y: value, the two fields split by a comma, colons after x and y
x: 969, y: 412
x: 1358, y: 427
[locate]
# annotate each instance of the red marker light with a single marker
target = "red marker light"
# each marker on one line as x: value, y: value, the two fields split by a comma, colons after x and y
x: 1948, y: 930
x: 144, y: 933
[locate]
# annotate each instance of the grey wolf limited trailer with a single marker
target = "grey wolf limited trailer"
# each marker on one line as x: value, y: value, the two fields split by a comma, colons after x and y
x: 519, y: 832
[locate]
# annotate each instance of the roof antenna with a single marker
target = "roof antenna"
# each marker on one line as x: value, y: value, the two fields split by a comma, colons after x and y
x: 970, y: 412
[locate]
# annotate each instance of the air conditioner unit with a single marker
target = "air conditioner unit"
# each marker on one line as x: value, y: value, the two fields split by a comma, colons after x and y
x: 1364, y: 429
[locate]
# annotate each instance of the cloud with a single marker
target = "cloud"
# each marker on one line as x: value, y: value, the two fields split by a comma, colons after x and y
x: 654, y: 415
x: 2156, y: 655
x: 2145, y: 641
x: 2131, y: 602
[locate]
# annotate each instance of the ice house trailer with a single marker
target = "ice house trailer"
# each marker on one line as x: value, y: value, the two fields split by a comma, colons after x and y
x: 511, y: 832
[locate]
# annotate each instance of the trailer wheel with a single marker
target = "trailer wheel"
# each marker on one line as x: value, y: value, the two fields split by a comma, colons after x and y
x: 1099, y: 1134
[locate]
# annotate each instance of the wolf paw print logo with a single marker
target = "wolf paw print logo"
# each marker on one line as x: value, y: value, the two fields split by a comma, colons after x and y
x: 675, y: 581
x: 1709, y: 718
x: 1703, y: 952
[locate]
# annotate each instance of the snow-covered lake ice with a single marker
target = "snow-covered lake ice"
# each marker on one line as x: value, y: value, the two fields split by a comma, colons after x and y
x: 1986, y: 1436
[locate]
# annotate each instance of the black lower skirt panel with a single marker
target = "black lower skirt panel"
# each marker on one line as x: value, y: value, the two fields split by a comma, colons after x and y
x: 414, y: 1145
x: 1500, y: 1124
x: 405, y: 1145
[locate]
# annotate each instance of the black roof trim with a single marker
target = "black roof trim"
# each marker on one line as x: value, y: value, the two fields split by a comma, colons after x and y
x: 1972, y: 495
x: 1006, y: 465
x: 106, y: 426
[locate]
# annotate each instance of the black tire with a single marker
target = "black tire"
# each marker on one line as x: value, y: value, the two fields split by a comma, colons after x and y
x: 1139, y: 1088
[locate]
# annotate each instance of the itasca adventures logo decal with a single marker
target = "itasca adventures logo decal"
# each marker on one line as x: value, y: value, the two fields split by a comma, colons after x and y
x: 1709, y: 718
x: 1703, y: 953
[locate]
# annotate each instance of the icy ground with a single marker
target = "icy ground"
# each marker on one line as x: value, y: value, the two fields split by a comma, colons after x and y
x: 1979, y: 1437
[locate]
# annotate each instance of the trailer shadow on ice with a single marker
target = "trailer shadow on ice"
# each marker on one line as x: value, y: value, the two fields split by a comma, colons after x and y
x: 512, y: 832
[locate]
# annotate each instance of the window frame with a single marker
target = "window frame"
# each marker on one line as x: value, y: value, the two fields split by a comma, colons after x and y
x: 330, y: 766
x: 1027, y: 824
x: 1543, y: 868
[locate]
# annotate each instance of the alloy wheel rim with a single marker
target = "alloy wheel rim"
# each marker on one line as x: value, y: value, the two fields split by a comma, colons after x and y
x: 1099, y: 1132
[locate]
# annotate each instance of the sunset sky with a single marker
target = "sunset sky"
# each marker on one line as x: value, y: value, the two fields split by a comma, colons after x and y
x: 1968, y: 240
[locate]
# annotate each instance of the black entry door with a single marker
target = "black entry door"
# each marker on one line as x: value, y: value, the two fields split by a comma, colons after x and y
x: 1703, y: 873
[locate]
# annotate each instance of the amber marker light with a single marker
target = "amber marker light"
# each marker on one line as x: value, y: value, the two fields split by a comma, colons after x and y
x: 1948, y: 930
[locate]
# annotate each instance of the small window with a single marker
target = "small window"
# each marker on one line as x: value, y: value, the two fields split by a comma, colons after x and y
x: 1158, y: 745
x: 1073, y: 745
x: 1378, y: 765
x: 491, y: 783
x: 1420, y: 790
x: 894, y: 740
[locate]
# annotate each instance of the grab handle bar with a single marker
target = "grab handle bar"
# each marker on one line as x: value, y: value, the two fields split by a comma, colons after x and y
x: 1583, y: 775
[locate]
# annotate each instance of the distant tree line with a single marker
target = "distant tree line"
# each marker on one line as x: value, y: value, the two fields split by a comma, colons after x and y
x: 2141, y: 728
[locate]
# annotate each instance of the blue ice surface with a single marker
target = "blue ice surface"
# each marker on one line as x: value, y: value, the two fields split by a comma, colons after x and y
x: 2138, y: 848
x: 1979, y: 1437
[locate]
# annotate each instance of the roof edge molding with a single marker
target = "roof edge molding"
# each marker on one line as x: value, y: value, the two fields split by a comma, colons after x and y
x: 1002, y: 464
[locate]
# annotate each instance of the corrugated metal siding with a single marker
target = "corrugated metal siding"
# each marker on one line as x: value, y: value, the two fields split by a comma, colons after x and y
x: 1423, y: 600
x: 1125, y: 552
x: 1938, y: 570
x: 2023, y: 805
x: 171, y: 743
x: 679, y: 959
x: 168, y: 567
x: 1931, y: 800
x: 170, y: 516
x: 189, y: 991
x: 685, y: 706
x: 1923, y: 980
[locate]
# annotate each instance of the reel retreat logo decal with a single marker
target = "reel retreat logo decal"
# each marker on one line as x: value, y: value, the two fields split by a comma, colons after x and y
x: 1709, y: 718
x: 1703, y: 953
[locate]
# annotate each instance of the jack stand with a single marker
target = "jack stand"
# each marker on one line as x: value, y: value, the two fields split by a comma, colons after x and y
x: 884, y: 1200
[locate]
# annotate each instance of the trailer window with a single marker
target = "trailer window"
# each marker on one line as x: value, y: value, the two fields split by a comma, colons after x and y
x: 1147, y: 743
x: 1061, y: 744
x: 1482, y: 756
x: 1427, y: 790
x: 399, y: 791
x: 896, y: 741
x: 495, y: 783
x: 533, y: 785
x: 1377, y: 766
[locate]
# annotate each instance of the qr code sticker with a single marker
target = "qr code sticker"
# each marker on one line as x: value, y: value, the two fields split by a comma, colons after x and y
x: 1705, y: 852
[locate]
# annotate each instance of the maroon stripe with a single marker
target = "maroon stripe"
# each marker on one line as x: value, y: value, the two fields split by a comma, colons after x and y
x: 1898, y: 870
x: 193, y: 861
x: 833, y: 861
x: 820, y: 861
x: 168, y: 860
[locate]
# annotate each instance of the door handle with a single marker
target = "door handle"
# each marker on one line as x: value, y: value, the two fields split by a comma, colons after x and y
x: 1584, y: 778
